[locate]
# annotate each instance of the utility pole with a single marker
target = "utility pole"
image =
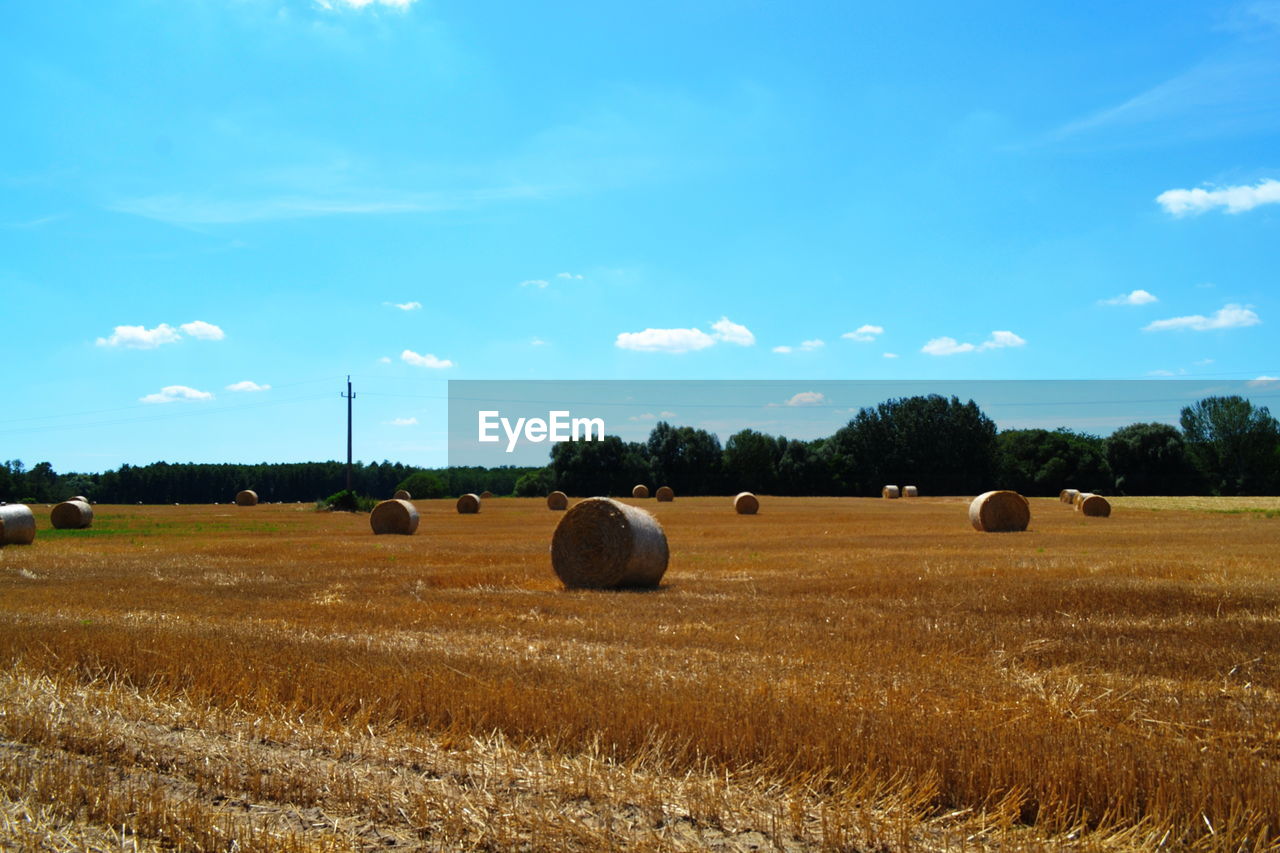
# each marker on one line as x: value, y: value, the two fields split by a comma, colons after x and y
x: 350, y: 396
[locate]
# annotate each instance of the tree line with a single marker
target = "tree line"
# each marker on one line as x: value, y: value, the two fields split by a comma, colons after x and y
x: 1224, y: 446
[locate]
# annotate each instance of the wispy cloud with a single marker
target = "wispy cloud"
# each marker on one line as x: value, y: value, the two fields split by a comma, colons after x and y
x: 1263, y: 381
x: 1226, y: 317
x: 1135, y: 297
x: 203, y: 331
x: 1231, y: 199
x: 891, y: 355
x: 535, y: 282
x: 782, y: 348
x: 569, y: 275
x: 176, y: 394
x: 804, y: 346
x: 865, y: 333
x: 405, y: 306
x: 140, y: 337
x: 537, y: 342
x: 248, y: 385
x: 402, y: 422
x: 428, y: 360
x: 807, y: 398
x: 686, y: 340
x: 362, y: 4
x: 950, y: 346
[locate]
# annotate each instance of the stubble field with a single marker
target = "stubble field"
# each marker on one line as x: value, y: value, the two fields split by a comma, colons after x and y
x: 832, y: 674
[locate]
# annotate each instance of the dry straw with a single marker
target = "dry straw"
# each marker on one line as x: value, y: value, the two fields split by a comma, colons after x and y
x: 485, y: 495
x: 604, y: 544
x: 247, y: 497
x: 889, y: 492
x: 402, y: 495
x: 71, y: 515
x: 746, y: 504
x: 17, y: 525
x: 910, y: 492
x: 1000, y: 512
x: 557, y: 500
x: 469, y: 503
x: 1094, y: 505
x: 640, y: 491
x: 665, y: 494
x: 394, y: 516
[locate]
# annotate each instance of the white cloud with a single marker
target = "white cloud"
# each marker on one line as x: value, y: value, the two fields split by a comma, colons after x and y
x: 891, y: 355
x: 202, y: 330
x: 384, y: 360
x: 1136, y: 297
x: 360, y: 4
x: 402, y: 422
x: 1263, y: 381
x: 248, y: 386
x: 647, y: 416
x: 731, y: 332
x: 405, y: 306
x: 537, y: 342
x: 1226, y: 317
x: 667, y: 414
x: 140, y: 337
x: 864, y: 333
x: 807, y: 398
x: 1233, y: 199
x: 176, y: 393
x: 782, y: 348
x: 950, y: 346
x: 535, y: 282
x: 1161, y: 373
x: 665, y: 340
x: 1203, y: 362
x: 569, y: 275
x: 428, y: 360
x: 810, y: 346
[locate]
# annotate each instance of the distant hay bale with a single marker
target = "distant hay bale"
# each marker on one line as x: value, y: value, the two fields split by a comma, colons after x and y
x: 557, y: 500
x: 664, y: 494
x: 485, y: 495
x: 469, y: 503
x: 890, y: 492
x: 394, y: 516
x: 746, y: 504
x: 604, y: 544
x: 1068, y: 496
x: 247, y: 497
x: 71, y: 515
x: 910, y: 492
x: 640, y: 491
x: 1095, y: 506
x: 17, y: 525
x: 1077, y: 497
x: 1000, y: 511
x: 80, y: 498
x: 402, y: 495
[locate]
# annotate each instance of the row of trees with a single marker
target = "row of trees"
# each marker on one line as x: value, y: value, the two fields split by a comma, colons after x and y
x: 1226, y: 446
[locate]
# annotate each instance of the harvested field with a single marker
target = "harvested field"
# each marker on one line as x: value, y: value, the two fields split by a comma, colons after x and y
x: 835, y: 674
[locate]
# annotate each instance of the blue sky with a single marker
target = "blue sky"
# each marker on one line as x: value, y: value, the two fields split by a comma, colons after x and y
x: 205, y: 198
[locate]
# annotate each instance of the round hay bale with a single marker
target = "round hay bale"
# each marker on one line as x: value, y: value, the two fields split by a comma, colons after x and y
x: 1000, y: 511
x: 394, y: 516
x: 80, y: 498
x: 1095, y: 506
x: 640, y: 491
x: 557, y: 500
x: 469, y: 503
x: 485, y: 495
x: 910, y: 492
x: 1068, y: 496
x: 17, y: 525
x: 890, y: 492
x: 71, y: 515
x: 604, y: 544
x: 665, y: 494
x: 246, y: 497
x: 1077, y: 497
x: 402, y: 495
x: 746, y: 504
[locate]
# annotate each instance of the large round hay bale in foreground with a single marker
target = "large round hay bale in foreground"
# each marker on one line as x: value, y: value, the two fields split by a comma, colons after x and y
x: 1000, y: 511
x: 557, y: 500
x: 402, y: 495
x: 640, y: 491
x: 247, y: 497
x: 468, y: 503
x: 17, y: 525
x: 664, y: 494
x: 605, y: 544
x: 71, y: 515
x: 890, y: 492
x: 1094, y: 505
x: 746, y: 504
x: 910, y: 492
x: 394, y: 516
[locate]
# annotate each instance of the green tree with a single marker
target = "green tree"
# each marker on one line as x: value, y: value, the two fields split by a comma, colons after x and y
x: 1151, y: 459
x: 535, y: 484
x: 684, y: 458
x: 750, y: 461
x: 424, y: 485
x: 1234, y: 444
x: 1044, y: 462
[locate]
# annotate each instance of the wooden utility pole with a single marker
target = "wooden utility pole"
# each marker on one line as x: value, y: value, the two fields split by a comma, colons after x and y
x: 350, y: 396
